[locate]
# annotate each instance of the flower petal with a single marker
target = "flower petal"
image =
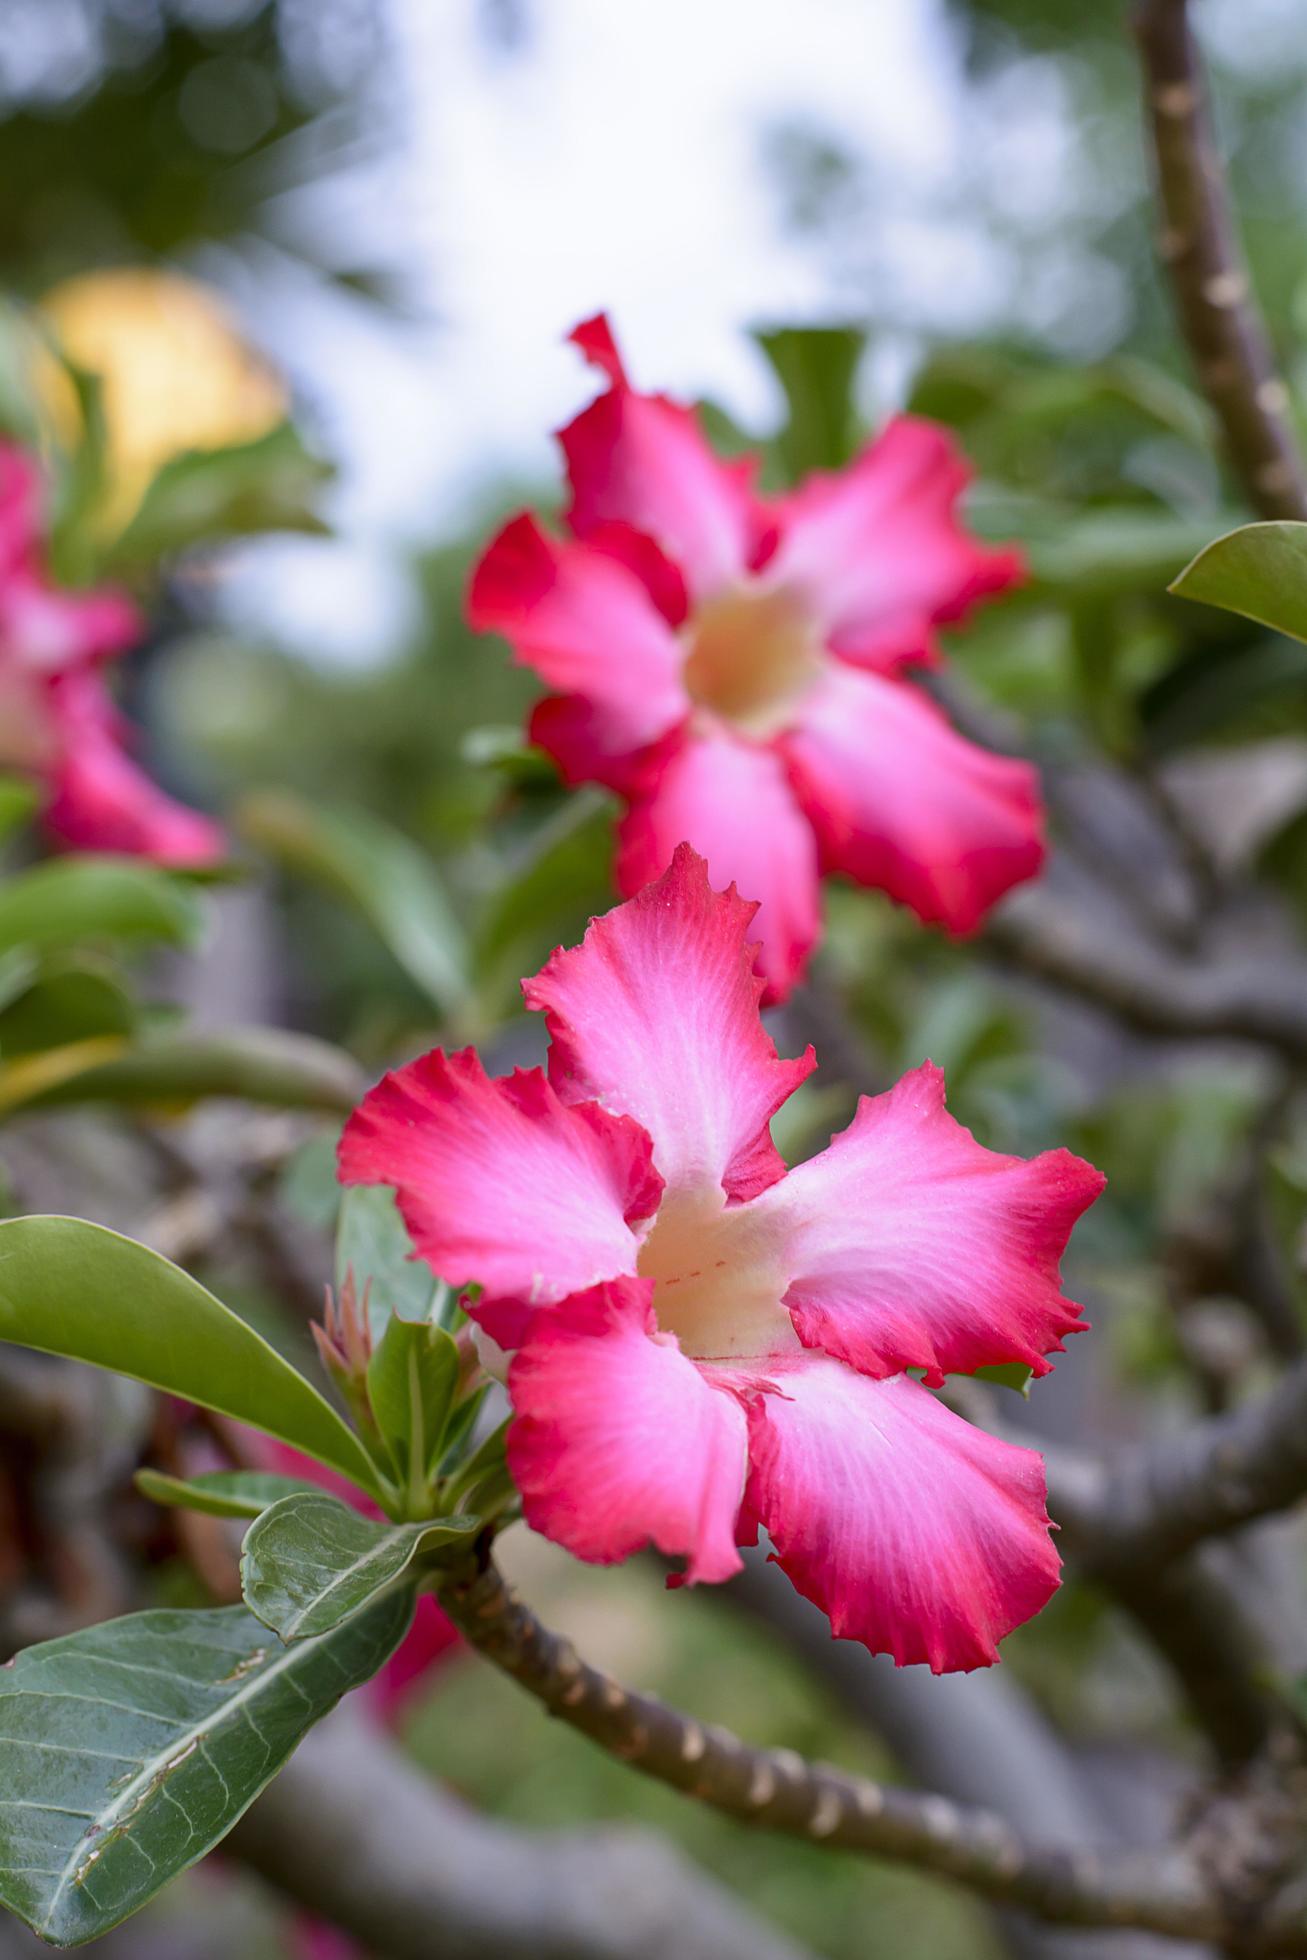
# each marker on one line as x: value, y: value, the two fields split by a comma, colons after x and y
x: 912, y: 1246
x: 878, y: 549
x: 584, y: 620
x: 620, y: 1441
x: 643, y: 460
x: 732, y: 800
x: 915, y: 1533
x: 498, y: 1181
x: 902, y: 802
x: 655, y: 1014
x: 101, y: 801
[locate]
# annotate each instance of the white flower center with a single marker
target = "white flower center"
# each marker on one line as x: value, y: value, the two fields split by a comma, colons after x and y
x: 752, y: 654
x: 718, y: 1278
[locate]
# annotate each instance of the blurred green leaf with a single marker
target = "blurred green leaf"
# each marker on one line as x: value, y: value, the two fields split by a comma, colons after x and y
x: 412, y: 1382
x: 128, y: 1750
x: 220, y: 1493
x: 310, y: 1564
x: 1103, y: 553
x: 68, y: 1287
x: 382, y: 873
x: 18, y: 799
x: 171, y: 1068
x: 560, y: 879
x: 69, y: 1000
x: 1006, y: 1374
x: 817, y: 367
x: 75, y: 899
x: 373, y: 1245
x: 1259, y: 571
x: 1225, y: 693
x: 270, y: 484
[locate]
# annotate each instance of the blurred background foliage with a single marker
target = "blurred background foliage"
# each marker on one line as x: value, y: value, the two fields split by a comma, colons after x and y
x: 423, y: 859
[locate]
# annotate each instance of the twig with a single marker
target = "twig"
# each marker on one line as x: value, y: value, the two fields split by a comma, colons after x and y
x: 359, y: 1836
x: 774, y: 1788
x: 1197, y: 243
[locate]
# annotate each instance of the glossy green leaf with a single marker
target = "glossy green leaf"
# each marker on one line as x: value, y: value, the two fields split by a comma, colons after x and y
x: 269, y: 484
x: 72, y: 1288
x: 372, y: 1243
x: 379, y: 871
x: 412, y: 1382
x: 310, y: 1563
x: 174, y: 1067
x: 1259, y: 571
x: 220, y: 1493
x: 18, y: 799
x: 71, y: 900
x: 128, y: 1750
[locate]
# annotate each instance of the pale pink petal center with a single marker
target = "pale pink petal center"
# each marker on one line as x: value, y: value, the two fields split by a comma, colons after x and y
x: 719, y: 1277
x: 752, y: 654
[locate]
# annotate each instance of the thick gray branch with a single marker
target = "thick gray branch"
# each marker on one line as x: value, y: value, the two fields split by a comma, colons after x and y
x: 1066, y: 1884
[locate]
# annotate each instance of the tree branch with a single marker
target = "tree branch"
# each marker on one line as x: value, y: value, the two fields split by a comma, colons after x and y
x: 1163, y: 1893
x: 1152, y: 991
x: 1163, y: 1498
x: 359, y: 1836
x: 1197, y: 242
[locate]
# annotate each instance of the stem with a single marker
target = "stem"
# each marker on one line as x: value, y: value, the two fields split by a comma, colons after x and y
x: 1198, y: 245
x: 1161, y: 1892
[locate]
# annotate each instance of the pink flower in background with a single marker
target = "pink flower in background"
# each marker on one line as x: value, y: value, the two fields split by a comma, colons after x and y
x: 733, y: 665
x: 704, y: 1342
x: 57, y: 719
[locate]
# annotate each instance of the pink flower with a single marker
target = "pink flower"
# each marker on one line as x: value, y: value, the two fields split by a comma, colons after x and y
x: 732, y: 666
x: 57, y: 720
x: 705, y: 1342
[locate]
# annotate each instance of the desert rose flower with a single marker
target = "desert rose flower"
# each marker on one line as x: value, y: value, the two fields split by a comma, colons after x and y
x: 57, y: 719
x: 703, y: 1342
x: 733, y: 666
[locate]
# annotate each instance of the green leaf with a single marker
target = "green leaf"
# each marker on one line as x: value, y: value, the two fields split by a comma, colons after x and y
x: 1259, y: 571
x: 69, y: 1000
x: 1006, y: 1374
x: 373, y: 1244
x: 412, y: 1382
x: 310, y: 1563
x: 71, y: 900
x: 1100, y: 554
x: 483, y: 1483
x: 128, y: 1750
x: 18, y: 799
x: 269, y: 484
x: 175, y: 1067
x: 816, y: 366
x: 220, y: 1493
x: 68, y: 1287
x: 383, y: 874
